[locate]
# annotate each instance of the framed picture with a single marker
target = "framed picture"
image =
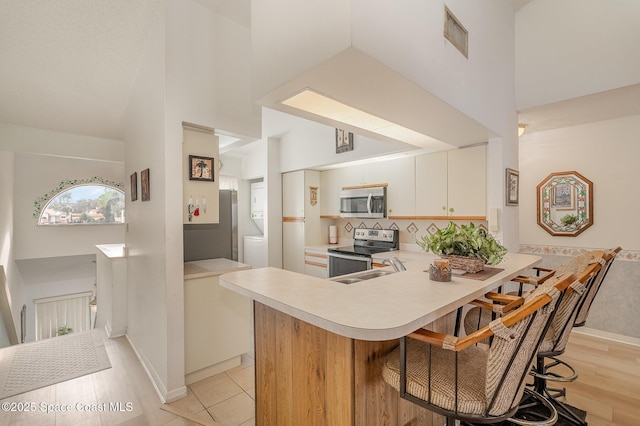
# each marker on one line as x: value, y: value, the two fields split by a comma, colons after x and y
x: 134, y: 186
x: 562, y: 196
x: 512, y: 180
x: 201, y: 168
x: 144, y: 183
x: 344, y: 141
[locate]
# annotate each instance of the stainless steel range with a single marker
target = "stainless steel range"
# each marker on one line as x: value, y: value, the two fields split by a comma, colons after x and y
x: 356, y: 258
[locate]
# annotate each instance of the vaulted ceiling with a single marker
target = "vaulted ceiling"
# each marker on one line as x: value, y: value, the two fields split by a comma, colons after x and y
x: 69, y: 65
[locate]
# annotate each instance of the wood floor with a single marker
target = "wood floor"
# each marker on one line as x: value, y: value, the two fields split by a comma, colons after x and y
x: 226, y: 397
x: 608, y: 388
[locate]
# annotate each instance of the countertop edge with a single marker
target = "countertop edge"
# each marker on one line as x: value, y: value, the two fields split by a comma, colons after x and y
x: 355, y: 331
x: 341, y: 329
x: 211, y: 267
x: 214, y: 273
x: 112, y: 251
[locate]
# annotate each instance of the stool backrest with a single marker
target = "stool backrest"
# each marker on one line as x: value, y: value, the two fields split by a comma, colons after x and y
x: 585, y: 305
x: 515, y: 344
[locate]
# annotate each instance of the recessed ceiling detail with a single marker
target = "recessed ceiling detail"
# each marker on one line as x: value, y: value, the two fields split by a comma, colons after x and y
x: 321, y: 105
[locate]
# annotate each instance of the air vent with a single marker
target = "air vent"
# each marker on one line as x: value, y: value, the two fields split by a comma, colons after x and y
x: 456, y: 33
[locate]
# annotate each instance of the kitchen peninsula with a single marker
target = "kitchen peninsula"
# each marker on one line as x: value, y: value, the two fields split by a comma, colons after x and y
x: 319, y: 343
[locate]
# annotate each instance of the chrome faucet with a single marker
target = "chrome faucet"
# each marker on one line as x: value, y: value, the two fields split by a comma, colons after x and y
x: 396, y: 263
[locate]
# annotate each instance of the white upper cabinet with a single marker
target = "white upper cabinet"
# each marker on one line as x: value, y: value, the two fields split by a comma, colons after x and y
x: 442, y: 184
x: 330, y: 187
x: 355, y: 176
x: 467, y: 181
x: 452, y: 183
x: 398, y: 175
x: 431, y: 184
x: 401, y: 179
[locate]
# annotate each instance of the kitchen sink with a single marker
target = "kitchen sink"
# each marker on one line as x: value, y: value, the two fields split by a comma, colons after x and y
x: 362, y: 276
x: 348, y: 280
x: 373, y: 274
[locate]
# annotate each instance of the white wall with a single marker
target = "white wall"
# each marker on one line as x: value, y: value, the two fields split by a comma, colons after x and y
x: 284, y: 44
x: 407, y: 36
x: 314, y: 145
x: 273, y: 214
x: 13, y: 283
x: 37, y: 175
x: 209, y: 70
x: 254, y: 164
x: 572, y: 48
x: 48, y: 277
x: 144, y: 137
x: 47, y: 142
x: 191, y: 72
x: 604, y: 152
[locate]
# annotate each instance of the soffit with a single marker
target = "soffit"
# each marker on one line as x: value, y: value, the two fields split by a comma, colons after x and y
x: 608, y: 105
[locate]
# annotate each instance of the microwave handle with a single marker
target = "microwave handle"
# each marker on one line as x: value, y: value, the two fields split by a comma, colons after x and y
x: 369, y: 203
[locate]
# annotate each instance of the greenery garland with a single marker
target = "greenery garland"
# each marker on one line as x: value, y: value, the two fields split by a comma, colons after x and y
x: 66, y: 184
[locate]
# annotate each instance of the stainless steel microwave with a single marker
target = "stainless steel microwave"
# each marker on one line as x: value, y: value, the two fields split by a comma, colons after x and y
x: 366, y: 203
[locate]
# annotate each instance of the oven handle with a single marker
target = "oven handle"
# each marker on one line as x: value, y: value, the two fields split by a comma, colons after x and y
x: 369, y: 203
x: 350, y: 257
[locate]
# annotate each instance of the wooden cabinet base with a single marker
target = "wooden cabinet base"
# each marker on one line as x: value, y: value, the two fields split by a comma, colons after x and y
x: 307, y: 375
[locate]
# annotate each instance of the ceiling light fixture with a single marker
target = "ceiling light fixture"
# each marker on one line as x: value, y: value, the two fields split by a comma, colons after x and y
x: 315, y: 103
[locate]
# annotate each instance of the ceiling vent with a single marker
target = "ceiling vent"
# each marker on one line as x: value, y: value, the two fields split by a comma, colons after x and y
x: 456, y: 33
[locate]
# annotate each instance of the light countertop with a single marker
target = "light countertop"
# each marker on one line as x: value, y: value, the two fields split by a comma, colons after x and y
x: 211, y: 267
x: 378, y: 309
x: 113, y: 251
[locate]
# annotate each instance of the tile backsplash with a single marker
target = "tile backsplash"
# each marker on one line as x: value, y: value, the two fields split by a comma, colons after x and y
x: 409, y: 229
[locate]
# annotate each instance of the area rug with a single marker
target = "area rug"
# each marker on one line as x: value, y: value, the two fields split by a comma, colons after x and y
x: 34, y: 365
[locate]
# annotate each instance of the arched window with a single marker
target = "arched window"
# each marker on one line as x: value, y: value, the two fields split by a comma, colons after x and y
x: 81, y: 202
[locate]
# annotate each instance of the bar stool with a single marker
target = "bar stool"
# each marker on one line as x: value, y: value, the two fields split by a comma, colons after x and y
x: 468, y: 381
x: 556, y: 338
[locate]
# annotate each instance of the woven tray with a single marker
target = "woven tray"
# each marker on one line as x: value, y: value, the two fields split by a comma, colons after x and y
x: 469, y: 264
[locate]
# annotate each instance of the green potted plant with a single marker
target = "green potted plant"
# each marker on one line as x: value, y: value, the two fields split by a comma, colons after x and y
x: 467, y: 247
x: 65, y: 329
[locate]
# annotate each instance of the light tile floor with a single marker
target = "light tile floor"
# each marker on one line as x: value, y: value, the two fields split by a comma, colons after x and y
x: 226, y: 398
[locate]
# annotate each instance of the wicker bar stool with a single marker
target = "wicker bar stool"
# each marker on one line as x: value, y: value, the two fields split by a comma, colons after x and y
x: 590, y: 267
x: 475, y: 383
x: 547, y: 362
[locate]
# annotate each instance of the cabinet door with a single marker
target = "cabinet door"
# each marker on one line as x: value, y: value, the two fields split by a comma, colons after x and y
x: 315, y: 263
x: 293, y: 194
x: 353, y: 175
x: 214, y: 314
x: 293, y: 246
x: 467, y: 181
x: 316, y: 271
x: 399, y: 175
x: 330, y: 187
x: 431, y: 184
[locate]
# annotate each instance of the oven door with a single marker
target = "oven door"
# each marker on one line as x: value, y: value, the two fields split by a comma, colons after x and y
x: 342, y: 264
